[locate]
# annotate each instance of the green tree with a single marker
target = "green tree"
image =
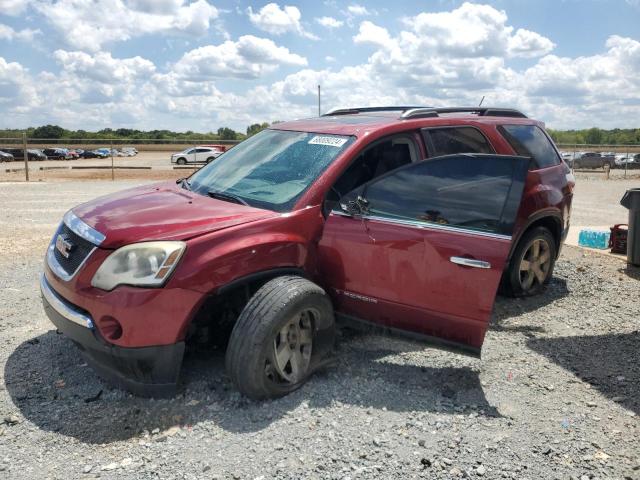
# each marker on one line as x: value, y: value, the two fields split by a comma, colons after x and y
x: 593, y: 136
x: 226, y: 133
x: 48, y: 131
x: 256, y: 127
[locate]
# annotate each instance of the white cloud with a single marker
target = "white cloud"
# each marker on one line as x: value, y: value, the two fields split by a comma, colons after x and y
x: 329, y: 22
x: 277, y: 21
x: 373, y: 34
x: 17, y: 93
x: 474, y: 30
x: 88, y: 25
x: 528, y: 44
x: 102, y: 67
x: 249, y: 57
x: 13, y: 7
x: 8, y: 33
x: 358, y: 10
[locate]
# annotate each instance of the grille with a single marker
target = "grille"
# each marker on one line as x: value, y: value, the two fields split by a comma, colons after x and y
x: 81, y: 249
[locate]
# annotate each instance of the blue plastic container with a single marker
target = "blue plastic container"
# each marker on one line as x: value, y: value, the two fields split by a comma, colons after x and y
x: 594, y: 238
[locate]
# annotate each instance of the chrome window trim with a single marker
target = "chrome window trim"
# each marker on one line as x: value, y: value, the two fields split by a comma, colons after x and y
x: 81, y: 229
x: 62, y: 307
x: 427, y: 226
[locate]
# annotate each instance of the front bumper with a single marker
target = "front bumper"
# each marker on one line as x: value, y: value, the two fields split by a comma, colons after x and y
x: 146, y: 371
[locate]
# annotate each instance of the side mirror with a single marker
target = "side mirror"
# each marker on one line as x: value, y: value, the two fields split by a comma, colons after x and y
x: 359, y: 206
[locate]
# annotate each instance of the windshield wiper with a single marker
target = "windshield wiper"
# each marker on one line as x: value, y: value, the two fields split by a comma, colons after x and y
x: 184, y: 183
x: 229, y: 197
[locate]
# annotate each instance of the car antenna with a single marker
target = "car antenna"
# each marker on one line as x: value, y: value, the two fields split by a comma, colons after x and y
x: 480, y: 104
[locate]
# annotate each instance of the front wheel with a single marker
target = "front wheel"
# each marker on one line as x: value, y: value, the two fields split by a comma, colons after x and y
x: 210, y: 159
x: 531, y: 265
x: 181, y: 161
x: 282, y: 335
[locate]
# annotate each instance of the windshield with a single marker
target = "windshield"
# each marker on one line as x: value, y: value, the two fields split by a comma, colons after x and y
x: 272, y: 169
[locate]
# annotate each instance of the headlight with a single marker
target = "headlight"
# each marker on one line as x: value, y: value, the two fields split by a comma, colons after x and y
x: 147, y: 264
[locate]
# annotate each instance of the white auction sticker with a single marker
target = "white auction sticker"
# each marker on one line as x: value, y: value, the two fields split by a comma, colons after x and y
x: 329, y: 141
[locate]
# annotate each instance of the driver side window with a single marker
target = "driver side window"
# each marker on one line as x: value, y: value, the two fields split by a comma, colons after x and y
x: 375, y: 160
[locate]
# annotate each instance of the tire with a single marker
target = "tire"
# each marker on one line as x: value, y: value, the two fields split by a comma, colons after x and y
x: 520, y: 283
x: 576, y: 164
x: 210, y: 159
x: 181, y: 161
x: 277, y: 307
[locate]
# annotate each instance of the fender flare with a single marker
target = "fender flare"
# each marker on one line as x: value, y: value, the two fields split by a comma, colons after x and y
x: 260, y: 275
x: 553, y: 214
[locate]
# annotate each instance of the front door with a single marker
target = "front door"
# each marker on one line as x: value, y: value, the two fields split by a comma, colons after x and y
x: 422, y: 248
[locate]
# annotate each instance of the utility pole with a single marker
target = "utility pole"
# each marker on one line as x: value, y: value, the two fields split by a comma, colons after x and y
x: 26, y: 156
x: 319, y: 114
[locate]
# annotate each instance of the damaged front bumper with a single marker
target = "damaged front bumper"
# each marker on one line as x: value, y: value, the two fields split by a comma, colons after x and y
x: 146, y: 371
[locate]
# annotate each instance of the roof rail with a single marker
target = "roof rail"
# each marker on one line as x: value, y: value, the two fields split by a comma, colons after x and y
x: 425, y: 112
x: 351, y: 111
x: 480, y: 111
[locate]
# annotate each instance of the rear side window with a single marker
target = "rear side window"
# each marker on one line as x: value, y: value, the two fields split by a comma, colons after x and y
x: 531, y: 141
x: 451, y: 140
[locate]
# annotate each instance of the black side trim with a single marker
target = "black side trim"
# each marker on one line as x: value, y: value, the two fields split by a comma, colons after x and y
x: 436, y: 342
x: 252, y: 277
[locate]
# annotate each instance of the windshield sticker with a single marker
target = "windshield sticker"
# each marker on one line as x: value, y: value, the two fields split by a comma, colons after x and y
x: 329, y: 141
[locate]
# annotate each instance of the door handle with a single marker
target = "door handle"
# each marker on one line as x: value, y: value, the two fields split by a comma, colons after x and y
x: 470, y: 262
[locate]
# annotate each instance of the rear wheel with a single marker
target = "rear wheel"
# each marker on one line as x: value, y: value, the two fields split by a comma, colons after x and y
x: 181, y: 161
x: 272, y: 349
x: 531, y: 265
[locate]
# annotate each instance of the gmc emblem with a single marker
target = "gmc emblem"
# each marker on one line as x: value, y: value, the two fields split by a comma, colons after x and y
x: 64, y: 246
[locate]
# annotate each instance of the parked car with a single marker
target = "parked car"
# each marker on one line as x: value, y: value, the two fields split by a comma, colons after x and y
x: 593, y: 160
x: 130, y: 151
x: 196, y: 155
x: 103, y: 152
x: 89, y: 154
x: 627, y: 161
x: 407, y: 219
x: 6, y: 157
x: 57, y: 153
x: 32, y: 154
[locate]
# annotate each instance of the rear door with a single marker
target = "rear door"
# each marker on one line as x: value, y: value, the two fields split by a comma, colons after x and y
x: 426, y: 251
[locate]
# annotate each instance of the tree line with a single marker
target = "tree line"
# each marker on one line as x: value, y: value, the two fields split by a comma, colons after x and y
x: 597, y: 136
x: 57, y: 132
x: 592, y: 136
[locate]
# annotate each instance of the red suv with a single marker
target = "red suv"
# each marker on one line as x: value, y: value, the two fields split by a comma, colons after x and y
x: 405, y: 218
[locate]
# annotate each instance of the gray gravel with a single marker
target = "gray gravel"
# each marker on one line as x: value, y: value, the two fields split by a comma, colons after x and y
x: 556, y: 394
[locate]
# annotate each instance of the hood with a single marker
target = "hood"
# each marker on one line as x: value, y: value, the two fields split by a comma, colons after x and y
x: 162, y: 211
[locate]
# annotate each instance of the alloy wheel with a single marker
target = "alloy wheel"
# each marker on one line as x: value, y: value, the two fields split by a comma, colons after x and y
x: 535, y: 264
x: 292, y: 350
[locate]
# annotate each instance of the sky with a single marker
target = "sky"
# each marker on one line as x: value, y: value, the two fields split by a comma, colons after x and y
x: 200, y: 65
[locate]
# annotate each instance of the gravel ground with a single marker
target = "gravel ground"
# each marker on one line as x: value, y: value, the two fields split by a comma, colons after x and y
x: 556, y: 394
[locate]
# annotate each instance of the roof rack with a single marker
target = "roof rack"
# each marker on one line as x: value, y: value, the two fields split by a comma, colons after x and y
x: 410, y: 112
x: 480, y: 111
x: 352, y: 111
